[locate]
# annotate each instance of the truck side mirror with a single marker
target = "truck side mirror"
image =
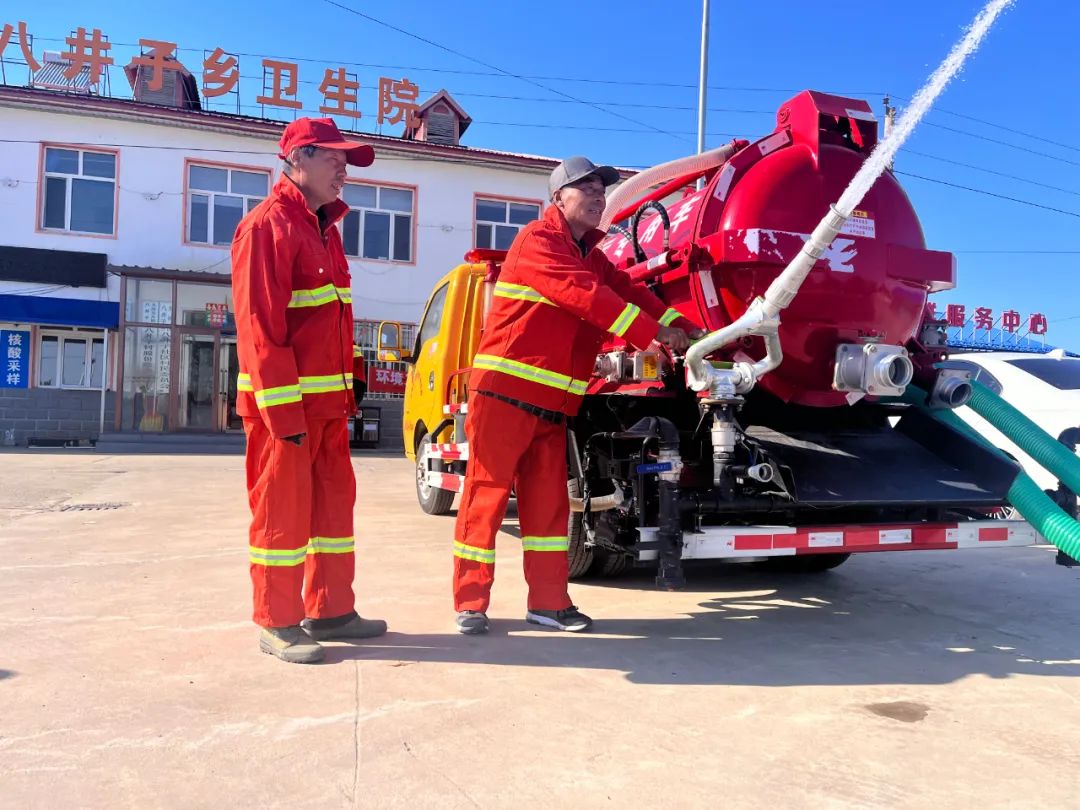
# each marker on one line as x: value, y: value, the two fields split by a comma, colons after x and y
x: 389, y: 347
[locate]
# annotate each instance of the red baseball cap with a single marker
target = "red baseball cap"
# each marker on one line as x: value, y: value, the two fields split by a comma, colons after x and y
x: 323, y: 133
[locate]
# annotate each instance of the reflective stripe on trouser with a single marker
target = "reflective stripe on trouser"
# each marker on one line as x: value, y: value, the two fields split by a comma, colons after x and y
x: 506, y: 444
x: 301, y: 538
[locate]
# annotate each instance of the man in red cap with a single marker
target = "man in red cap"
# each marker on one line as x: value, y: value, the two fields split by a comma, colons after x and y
x: 294, y: 328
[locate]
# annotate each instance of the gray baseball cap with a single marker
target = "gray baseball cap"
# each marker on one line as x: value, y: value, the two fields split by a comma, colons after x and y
x: 576, y: 168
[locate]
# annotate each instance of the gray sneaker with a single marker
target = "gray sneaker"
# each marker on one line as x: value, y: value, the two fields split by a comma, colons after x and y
x: 472, y: 622
x: 569, y: 619
x: 290, y: 644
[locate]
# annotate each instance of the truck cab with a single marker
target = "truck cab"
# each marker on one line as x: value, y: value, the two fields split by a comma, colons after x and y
x: 440, y: 358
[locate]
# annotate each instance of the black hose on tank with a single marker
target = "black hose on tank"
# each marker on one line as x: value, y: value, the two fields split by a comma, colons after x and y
x: 639, y: 254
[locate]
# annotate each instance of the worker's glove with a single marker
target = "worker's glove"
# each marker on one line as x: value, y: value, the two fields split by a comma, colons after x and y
x: 298, y: 439
x: 674, y: 338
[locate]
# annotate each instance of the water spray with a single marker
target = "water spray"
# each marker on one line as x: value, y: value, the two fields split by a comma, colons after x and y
x: 762, y: 318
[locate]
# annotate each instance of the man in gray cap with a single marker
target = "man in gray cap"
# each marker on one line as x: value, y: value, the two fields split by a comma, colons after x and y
x: 556, y: 300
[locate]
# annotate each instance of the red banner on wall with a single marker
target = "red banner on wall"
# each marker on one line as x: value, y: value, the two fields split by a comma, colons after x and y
x: 387, y: 380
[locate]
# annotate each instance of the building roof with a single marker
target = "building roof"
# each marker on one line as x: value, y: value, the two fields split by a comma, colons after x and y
x: 231, y: 124
x: 445, y: 97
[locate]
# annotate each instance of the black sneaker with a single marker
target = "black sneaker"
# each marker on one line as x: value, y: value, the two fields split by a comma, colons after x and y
x: 570, y: 619
x: 472, y: 622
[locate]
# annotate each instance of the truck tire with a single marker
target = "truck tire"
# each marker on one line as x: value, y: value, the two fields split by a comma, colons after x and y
x: 609, y: 564
x: 579, y: 556
x: 433, y: 501
x: 803, y: 563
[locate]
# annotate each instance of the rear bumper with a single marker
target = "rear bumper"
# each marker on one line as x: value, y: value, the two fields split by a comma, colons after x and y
x: 718, y: 543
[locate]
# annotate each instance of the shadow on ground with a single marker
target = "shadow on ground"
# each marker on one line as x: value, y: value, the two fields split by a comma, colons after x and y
x: 770, y: 630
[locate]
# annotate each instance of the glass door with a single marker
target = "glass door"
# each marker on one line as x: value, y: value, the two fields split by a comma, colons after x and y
x: 197, y: 392
x: 228, y: 369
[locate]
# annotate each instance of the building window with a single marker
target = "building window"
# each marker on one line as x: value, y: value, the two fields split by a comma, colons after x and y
x: 79, y: 191
x: 498, y: 221
x: 70, y: 360
x: 379, y: 224
x: 218, y: 198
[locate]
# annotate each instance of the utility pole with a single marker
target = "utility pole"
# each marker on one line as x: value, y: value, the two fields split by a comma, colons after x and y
x: 890, y: 121
x: 703, y: 81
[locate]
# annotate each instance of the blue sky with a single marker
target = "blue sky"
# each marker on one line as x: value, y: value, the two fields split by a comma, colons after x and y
x: 639, y: 60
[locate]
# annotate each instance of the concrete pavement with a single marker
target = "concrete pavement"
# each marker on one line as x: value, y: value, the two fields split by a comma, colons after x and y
x: 130, y: 674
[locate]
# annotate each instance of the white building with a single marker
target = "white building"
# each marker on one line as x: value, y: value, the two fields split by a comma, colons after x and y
x: 115, y: 222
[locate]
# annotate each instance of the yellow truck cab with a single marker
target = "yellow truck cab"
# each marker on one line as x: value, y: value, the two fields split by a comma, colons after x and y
x: 436, y: 394
x: 446, y: 341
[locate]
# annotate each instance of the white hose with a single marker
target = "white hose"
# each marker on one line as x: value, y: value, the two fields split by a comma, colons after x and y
x: 762, y: 318
x: 755, y: 321
x: 786, y: 285
x: 640, y: 183
x: 601, y: 504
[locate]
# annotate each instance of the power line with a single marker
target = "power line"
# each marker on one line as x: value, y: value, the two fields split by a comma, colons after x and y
x: 1034, y: 137
x: 597, y: 129
x: 542, y: 100
x: 534, y: 79
x: 489, y: 66
x: 990, y: 171
x: 990, y: 194
x: 711, y: 134
x: 1002, y: 143
x: 498, y: 73
x: 495, y: 72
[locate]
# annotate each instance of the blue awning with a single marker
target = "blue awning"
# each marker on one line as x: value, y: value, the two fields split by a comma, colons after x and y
x: 40, y: 309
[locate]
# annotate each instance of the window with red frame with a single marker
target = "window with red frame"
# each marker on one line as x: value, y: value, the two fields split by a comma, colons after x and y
x: 218, y: 198
x: 79, y: 191
x: 498, y: 221
x: 379, y: 224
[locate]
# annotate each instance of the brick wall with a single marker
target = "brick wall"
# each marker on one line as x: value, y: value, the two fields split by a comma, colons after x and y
x: 51, y: 413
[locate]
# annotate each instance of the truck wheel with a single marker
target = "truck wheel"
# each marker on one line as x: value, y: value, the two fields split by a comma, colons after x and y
x: 609, y: 564
x: 579, y: 556
x: 803, y: 563
x: 433, y: 501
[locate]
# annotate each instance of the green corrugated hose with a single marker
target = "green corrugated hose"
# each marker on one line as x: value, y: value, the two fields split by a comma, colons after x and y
x: 1049, y: 519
